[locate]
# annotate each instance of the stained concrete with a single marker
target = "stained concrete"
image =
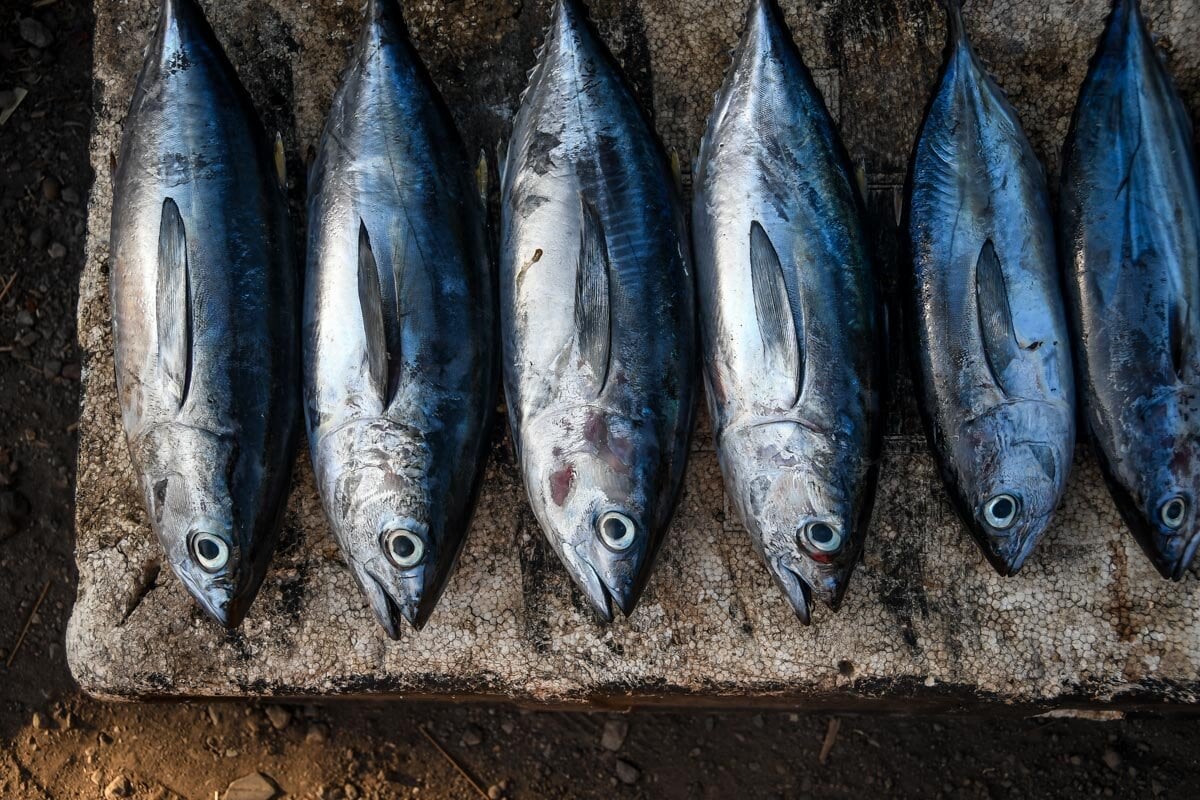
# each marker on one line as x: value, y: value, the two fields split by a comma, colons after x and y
x: 926, y: 621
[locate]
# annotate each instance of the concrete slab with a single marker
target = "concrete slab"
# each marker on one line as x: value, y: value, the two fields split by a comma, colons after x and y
x: 926, y: 623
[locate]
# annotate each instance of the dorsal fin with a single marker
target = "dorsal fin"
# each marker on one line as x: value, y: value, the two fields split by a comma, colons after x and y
x: 956, y: 29
x: 173, y: 306
x: 1000, y: 345
x: 778, y: 325
x: 381, y: 323
x: 593, y: 296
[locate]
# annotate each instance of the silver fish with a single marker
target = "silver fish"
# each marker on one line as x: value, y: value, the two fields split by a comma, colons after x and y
x: 400, y: 365
x: 791, y: 331
x: 204, y: 315
x: 1130, y: 237
x: 597, y: 316
x: 989, y: 331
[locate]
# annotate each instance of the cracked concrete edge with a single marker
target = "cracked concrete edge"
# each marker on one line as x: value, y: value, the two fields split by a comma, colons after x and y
x: 926, y: 621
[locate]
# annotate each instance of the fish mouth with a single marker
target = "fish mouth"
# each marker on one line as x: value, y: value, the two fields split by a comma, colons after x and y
x: 221, y: 603
x: 389, y: 611
x: 797, y: 591
x: 601, y: 597
x: 1181, y: 565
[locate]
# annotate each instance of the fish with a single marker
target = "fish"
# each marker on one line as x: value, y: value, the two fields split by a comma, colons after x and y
x: 400, y: 353
x: 597, y: 316
x: 991, y: 349
x: 1129, y: 228
x: 205, y: 315
x: 790, y: 318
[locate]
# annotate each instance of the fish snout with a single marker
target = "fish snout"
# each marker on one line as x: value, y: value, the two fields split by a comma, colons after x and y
x: 223, y: 603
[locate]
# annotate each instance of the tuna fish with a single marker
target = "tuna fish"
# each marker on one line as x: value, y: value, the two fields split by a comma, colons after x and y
x: 204, y: 315
x: 597, y: 316
x: 790, y: 318
x: 990, y: 342
x: 1130, y: 237
x: 400, y: 365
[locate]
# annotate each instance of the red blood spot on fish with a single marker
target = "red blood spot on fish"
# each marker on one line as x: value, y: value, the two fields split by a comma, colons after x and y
x: 560, y: 484
x: 595, y: 430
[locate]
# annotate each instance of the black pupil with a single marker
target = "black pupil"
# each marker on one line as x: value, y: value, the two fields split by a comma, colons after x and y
x: 821, y: 533
x: 208, y: 549
x: 403, y: 546
x: 1002, y: 508
x: 614, y: 529
x: 1175, y: 510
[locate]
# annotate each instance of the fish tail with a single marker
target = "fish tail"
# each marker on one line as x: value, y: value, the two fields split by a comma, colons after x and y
x: 954, y: 20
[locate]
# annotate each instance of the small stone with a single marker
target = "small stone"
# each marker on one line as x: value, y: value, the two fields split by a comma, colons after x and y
x: 1112, y: 759
x: 51, y: 188
x: 507, y: 726
x: 34, y: 32
x: 57, y: 250
x: 104, y: 738
x: 279, y: 716
x: 495, y: 792
x: 627, y: 773
x: 351, y: 792
x: 255, y: 786
x: 317, y: 734
x: 39, y: 722
x: 1075, y: 761
x: 615, y: 731
x: 472, y: 736
x: 118, y: 787
x: 39, y: 237
x: 24, y: 319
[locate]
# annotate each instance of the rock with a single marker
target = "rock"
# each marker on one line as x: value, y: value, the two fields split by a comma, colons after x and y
x: 51, y: 188
x: 1112, y: 759
x: 39, y: 722
x: 627, y: 772
x: 472, y: 736
x: 317, y: 734
x: 118, y: 787
x: 495, y: 792
x: 615, y: 731
x: 279, y: 716
x: 351, y: 792
x: 35, y: 33
x: 57, y: 250
x: 507, y: 726
x: 255, y: 786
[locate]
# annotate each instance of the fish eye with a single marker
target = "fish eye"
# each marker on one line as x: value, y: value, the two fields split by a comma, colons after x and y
x: 822, y: 537
x: 403, y: 547
x: 1172, y: 512
x: 617, y: 531
x: 210, y: 551
x: 1001, y: 511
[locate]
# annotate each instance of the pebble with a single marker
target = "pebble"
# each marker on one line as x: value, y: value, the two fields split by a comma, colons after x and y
x: 39, y: 237
x: 51, y: 188
x: 255, y: 786
x: 495, y: 792
x: 1112, y: 759
x: 507, y: 726
x: 279, y: 716
x: 118, y: 787
x: 627, y: 772
x: 615, y: 731
x: 24, y: 319
x: 57, y: 250
x: 472, y: 736
x: 39, y: 722
x: 317, y: 734
x: 351, y: 792
x: 34, y: 32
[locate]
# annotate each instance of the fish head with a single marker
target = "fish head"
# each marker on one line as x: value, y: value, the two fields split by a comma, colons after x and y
x: 1164, y: 463
x: 187, y: 475
x: 589, y: 478
x: 1010, y: 472
x: 798, y: 503
x: 379, y: 500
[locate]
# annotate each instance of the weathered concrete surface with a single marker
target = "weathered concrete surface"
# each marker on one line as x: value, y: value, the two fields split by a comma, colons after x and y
x: 926, y: 619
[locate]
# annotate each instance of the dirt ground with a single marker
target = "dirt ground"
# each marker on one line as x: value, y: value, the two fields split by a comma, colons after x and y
x: 56, y: 742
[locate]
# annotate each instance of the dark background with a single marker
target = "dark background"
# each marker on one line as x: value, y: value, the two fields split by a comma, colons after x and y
x: 62, y: 744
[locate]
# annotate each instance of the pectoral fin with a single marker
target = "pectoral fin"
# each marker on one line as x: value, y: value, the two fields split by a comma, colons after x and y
x: 778, y: 323
x: 1000, y: 344
x: 173, y: 307
x: 381, y: 324
x: 593, y: 297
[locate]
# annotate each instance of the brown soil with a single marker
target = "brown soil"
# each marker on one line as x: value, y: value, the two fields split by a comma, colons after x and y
x: 55, y: 742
